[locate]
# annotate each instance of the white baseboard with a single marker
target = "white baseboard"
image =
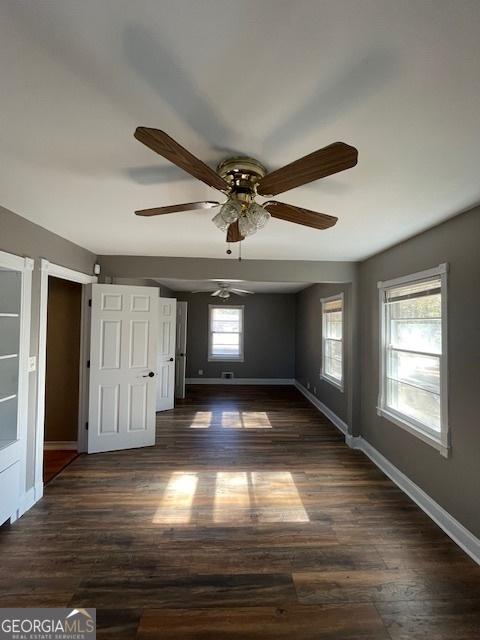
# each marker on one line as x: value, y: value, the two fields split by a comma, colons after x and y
x: 338, y: 422
x: 456, y: 531
x: 54, y: 445
x: 279, y: 381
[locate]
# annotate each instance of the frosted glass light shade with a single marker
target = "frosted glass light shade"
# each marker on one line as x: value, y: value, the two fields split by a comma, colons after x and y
x: 229, y: 212
x: 255, y: 218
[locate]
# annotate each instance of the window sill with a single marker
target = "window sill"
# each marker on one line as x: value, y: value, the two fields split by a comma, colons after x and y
x: 332, y: 381
x: 436, y: 443
x: 226, y: 359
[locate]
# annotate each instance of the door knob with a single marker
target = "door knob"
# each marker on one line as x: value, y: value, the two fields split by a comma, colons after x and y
x: 150, y: 374
x: 171, y: 359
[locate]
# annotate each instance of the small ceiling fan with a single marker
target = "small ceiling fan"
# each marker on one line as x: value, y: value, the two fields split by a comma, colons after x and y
x: 225, y: 290
x: 241, y: 179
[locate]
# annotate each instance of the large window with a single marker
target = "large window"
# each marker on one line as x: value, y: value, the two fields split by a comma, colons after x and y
x: 413, y: 386
x: 225, y: 340
x: 332, y: 340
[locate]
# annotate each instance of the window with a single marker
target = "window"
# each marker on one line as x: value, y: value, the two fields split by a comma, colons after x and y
x: 332, y: 340
x: 413, y: 368
x: 225, y: 340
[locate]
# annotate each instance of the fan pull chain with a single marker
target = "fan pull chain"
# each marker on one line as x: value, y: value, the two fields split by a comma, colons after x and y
x: 229, y: 251
x: 240, y: 251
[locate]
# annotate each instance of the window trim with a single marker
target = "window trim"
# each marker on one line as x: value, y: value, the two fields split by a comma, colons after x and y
x: 214, y: 358
x: 324, y: 376
x: 440, y: 441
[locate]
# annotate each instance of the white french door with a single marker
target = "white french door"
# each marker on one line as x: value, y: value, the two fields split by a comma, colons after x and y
x: 181, y: 349
x: 167, y: 313
x: 123, y: 353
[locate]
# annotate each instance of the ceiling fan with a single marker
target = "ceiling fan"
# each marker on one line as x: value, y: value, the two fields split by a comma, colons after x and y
x: 241, y: 179
x: 225, y: 290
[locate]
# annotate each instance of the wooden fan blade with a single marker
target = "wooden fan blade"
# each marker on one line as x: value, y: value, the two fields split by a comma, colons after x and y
x: 163, y: 144
x: 324, y: 162
x: 298, y: 215
x: 189, y: 206
x: 233, y: 233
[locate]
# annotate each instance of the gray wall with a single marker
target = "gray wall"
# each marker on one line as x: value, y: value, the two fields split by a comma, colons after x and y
x: 230, y: 268
x: 454, y: 482
x: 23, y: 238
x: 269, y: 334
x: 308, y: 347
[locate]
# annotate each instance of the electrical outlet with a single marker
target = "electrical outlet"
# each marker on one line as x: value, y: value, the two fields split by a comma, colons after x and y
x: 315, y: 390
x: 200, y: 372
x: 308, y: 384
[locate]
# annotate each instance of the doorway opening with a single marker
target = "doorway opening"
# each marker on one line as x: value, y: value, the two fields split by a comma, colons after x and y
x: 62, y: 375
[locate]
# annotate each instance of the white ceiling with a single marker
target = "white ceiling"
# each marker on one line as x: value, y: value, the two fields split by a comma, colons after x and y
x: 275, y: 79
x: 210, y: 285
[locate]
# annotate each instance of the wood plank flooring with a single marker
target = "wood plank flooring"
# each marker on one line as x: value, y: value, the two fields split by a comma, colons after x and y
x: 250, y: 518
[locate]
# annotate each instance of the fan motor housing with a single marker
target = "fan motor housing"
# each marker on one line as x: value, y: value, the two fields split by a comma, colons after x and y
x: 243, y: 175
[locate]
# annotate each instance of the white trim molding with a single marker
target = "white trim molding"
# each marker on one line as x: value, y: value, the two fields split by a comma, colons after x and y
x: 438, y: 440
x: 338, y: 422
x: 227, y: 358
x: 454, y: 529
x: 50, y: 269
x: 259, y: 381
x: 339, y: 384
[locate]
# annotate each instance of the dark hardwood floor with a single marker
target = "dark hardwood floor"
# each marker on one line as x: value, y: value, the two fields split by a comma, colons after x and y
x: 55, y: 460
x: 250, y: 519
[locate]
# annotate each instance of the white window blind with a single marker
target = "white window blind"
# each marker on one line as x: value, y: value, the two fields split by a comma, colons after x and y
x: 413, y: 358
x: 225, y: 333
x: 332, y: 340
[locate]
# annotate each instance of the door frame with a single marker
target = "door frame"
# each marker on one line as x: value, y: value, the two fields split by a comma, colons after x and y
x: 47, y: 269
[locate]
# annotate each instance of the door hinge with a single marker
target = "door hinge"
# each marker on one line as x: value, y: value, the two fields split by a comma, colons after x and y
x: 86, y: 426
x: 88, y: 364
x: 90, y: 302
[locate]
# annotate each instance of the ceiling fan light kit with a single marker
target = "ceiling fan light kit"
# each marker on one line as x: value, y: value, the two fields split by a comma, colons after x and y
x: 242, y: 178
x: 225, y: 290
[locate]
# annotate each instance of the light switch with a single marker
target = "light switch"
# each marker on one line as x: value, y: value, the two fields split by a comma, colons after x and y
x: 32, y: 363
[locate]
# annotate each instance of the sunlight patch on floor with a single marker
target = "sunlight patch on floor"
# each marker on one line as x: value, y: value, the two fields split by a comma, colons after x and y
x: 176, y: 507
x: 201, y: 420
x: 230, y: 497
x: 231, y: 420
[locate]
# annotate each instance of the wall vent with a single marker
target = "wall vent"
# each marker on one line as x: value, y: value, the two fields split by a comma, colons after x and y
x: 227, y: 374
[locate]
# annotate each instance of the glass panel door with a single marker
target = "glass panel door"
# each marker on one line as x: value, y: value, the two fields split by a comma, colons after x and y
x: 10, y: 307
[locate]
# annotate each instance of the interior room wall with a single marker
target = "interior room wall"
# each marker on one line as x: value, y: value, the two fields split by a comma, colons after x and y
x: 63, y: 360
x: 269, y: 336
x: 308, y: 347
x: 24, y: 238
x: 452, y: 482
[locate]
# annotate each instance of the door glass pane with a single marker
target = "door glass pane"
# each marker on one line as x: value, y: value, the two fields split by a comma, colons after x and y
x: 10, y: 301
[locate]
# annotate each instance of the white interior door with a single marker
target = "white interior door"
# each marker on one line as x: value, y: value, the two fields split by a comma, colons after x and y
x: 167, y: 312
x: 123, y: 350
x: 181, y: 350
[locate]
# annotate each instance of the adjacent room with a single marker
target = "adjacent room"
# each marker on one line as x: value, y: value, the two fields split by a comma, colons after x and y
x: 240, y: 319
